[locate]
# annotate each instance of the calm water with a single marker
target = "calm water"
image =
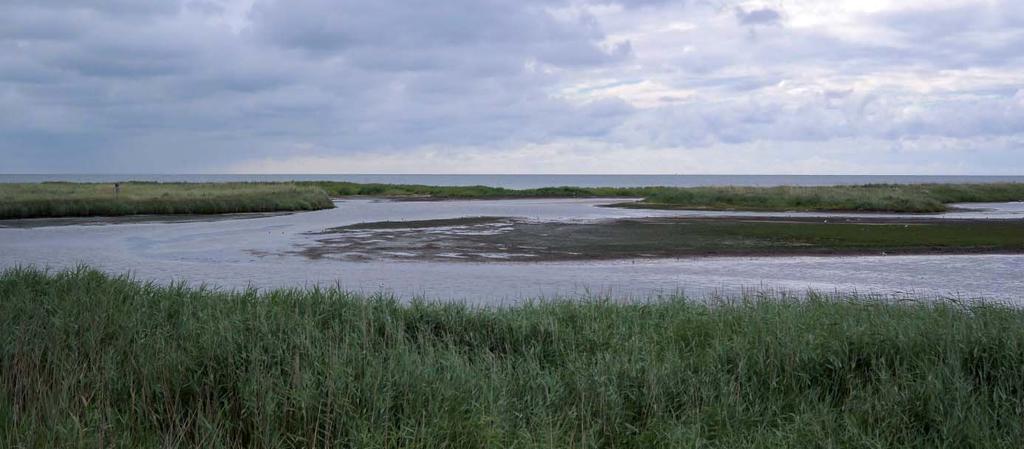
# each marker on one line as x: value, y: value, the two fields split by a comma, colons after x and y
x: 257, y: 252
x: 534, y: 181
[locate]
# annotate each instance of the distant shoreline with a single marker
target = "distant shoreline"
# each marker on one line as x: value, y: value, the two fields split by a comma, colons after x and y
x: 520, y: 181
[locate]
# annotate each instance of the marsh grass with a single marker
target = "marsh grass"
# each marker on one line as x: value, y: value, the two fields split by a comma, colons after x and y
x: 88, y: 360
x: 74, y: 199
x: 335, y: 188
x: 915, y: 198
x: 918, y: 198
x: 59, y: 199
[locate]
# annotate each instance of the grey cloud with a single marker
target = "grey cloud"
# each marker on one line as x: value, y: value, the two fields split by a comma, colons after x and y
x: 131, y: 85
x: 366, y: 76
x: 763, y: 16
x: 509, y: 30
x: 205, y: 7
x: 29, y: 23
x: 117, y: 7
x: 962, y: 36
x: 636, y: 4
x: 958, y: 38
x: 826, y: 115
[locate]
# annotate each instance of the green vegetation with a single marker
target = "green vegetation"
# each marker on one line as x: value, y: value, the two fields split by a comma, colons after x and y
x: 337, y: 189
x: 78, y: 200
x: 874, y: 197
x: 92, y: 361
x: 534, y: 241
x: 810, y: 236
x: 916, y: 198
x: 60, y: 199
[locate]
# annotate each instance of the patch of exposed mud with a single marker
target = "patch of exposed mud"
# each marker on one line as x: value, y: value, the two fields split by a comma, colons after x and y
x: 506, y: 239
x: 466, y: 238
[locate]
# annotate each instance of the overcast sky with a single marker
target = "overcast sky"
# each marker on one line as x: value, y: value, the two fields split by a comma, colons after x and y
x: 512, y: 86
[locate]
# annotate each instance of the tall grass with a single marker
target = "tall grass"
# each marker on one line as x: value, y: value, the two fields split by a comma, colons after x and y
x: 60, y: 199
x: 873, y: 197
x: 87, y: 360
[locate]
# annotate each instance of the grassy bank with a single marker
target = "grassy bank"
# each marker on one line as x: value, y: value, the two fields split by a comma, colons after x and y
x: 92, y: 361
x: 475, y: 239
x: 876, y: 197
x: 60, y: 199
x: 917, y: 198
x: 71, y: 199
x: 341, y: 189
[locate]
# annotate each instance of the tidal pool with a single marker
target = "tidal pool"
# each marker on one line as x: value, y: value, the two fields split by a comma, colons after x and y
x: 264, y: 252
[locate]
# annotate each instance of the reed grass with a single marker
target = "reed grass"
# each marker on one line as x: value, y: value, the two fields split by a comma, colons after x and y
x: 89, y: 360
x: 60, y: 199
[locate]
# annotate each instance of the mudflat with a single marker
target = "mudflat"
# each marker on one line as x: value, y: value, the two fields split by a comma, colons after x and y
x: 481, y: 239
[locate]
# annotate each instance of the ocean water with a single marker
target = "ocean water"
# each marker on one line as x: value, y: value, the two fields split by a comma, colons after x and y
x: 529, y: 181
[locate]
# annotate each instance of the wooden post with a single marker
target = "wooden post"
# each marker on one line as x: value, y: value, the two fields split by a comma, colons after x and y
x: 117, y: 189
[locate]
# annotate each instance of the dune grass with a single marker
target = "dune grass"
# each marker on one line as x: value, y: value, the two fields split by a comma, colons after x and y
x: 915, y: 198
x: 60, y: 199
x: 88, y: 360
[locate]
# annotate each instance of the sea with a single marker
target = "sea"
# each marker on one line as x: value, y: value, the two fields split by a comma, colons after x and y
x: 525, y: 181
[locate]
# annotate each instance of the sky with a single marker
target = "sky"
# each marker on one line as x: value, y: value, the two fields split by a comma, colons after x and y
x: 512, y: 86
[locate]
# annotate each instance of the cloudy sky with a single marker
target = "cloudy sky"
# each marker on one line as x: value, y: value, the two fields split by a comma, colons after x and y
x: 512, y: 86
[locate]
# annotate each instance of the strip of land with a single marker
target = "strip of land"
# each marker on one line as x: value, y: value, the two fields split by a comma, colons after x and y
x: 91, y: 360
x: 906, y: 198
x: 483, y: 239
x: 60, y: 199
x: 50, y: 200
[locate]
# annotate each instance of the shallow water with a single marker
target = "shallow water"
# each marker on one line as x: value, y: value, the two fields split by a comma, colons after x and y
x: 256, y: 252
